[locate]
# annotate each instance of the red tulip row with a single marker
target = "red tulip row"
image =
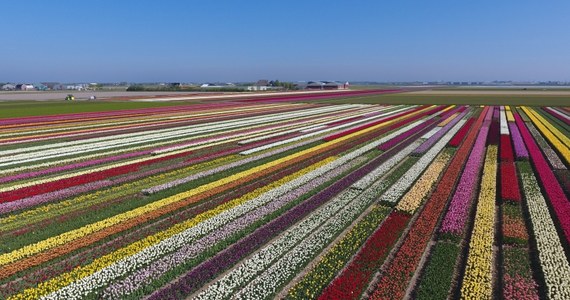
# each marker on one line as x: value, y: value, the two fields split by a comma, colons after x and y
x: 460, y: 135
x: 509, y: 182
x: 506, y: 150
x: 47, y: 187
x: 355, y: 277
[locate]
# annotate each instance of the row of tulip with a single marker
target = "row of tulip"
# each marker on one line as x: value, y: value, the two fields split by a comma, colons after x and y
x: 216, y: 224
x: 460, y: 135
x: 553, y: 158
x: 477, y: 281
x: 421, y: 188
x: 432, y: 139
x: 551, y: 255
x: 556, y: 138
x: 456, y: 216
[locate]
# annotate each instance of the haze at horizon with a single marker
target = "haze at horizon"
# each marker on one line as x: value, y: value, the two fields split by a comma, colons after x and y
x: 147, y: 41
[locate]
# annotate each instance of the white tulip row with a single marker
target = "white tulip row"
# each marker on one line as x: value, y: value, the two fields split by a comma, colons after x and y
x: 250, y: 268
x: 551, y: 155
x: 431, y: 133
x: 551, y: 255
x: 115, y: 141
x: 101, y: 278
x: 396, y: 191
x: 503, y: 121
x: 279, y: 273
x: 279, y: 143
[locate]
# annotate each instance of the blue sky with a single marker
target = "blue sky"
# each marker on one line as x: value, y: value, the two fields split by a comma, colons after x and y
x: 168, y: 40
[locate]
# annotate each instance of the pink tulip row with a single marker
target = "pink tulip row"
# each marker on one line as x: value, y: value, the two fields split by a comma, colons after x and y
x: 456, y: 217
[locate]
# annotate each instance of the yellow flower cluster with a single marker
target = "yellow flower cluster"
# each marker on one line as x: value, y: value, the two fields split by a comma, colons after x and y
x: 477, y: 283
x: 510, y: 117
x: 414, y: 197
x: 80, y: 272
x: 560, y: 141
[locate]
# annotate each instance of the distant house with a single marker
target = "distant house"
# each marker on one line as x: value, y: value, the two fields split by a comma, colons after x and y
x: 9, y: 87
x: 260, y: 85
x: 24, y: 87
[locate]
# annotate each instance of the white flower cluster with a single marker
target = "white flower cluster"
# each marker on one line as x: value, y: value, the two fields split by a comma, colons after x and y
x: 395, y: 192
x: 250, y: 268
x: 551, y: 255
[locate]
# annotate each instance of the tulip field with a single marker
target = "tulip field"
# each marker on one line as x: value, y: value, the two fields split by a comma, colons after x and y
x: 277, y: 199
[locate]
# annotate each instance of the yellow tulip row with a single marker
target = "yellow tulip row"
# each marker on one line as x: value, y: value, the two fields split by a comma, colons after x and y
x: 62, y: 280
x: 560, y: 141
x: 444, y: 122
x: 509, y: 113
x: 414, y: 197
x: 477, y: 283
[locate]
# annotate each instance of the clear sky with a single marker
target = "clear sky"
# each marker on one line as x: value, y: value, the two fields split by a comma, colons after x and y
x: 197, y: 41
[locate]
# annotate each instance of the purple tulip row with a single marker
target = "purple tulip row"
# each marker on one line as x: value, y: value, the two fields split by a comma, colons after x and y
x: 520, y: 150
x: 425, y: 146
x: 456, y: 216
